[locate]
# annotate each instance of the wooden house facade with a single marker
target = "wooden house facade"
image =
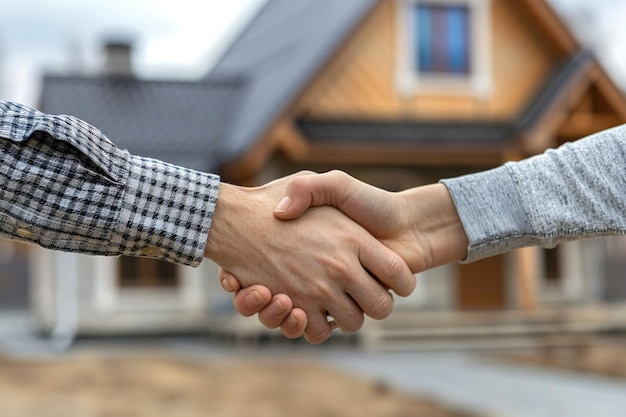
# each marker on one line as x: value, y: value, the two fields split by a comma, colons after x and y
x: 407, y: 92
x: 398, y: 93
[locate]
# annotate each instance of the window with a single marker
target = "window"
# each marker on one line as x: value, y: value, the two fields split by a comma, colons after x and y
x: 444, y: 47
x: 552, y: 264
x: 442, y: 38
x: 146, y: 272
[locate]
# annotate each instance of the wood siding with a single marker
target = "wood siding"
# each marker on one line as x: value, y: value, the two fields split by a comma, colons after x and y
x: 359, y: 81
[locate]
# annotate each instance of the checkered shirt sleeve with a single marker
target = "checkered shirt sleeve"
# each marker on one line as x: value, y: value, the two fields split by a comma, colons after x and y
x: 65, y: 186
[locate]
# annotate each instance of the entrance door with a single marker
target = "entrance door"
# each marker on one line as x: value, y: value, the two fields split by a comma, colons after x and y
x: 481, y: 285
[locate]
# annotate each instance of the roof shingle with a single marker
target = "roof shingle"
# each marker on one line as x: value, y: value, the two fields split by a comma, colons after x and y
x: 183, y: 123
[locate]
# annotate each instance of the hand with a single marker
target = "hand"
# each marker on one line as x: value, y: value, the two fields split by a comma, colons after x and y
x: 420, y: 224
x: 276, y: 311
x: 323, y: 261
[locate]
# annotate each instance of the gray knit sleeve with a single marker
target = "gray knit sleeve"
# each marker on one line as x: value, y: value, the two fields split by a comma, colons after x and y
x: 573, y: 192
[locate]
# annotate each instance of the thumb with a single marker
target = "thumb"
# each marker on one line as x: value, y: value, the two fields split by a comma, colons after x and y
x: 306, y: 191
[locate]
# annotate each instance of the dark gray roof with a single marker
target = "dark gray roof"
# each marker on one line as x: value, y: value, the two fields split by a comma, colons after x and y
x: 183, y: 123
x: 560, y: 77
x: 277, y: 54
x: 439, y: 133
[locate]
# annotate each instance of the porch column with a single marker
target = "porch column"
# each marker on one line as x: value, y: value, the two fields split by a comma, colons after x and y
x: 527, y: 267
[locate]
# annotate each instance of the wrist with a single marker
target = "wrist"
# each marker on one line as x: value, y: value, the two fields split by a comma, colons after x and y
x: 222, y: 235
x: 436, y: 224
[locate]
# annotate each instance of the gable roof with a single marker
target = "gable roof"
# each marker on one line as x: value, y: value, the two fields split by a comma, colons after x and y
x: 183, y: 123
x: 277, y: 54
x: 288, y: 42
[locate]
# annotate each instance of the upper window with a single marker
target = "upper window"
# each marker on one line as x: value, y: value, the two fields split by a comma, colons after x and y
x: 442, y: 38
x: 444, y: 47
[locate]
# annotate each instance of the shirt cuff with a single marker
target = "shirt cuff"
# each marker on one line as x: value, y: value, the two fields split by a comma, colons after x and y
x: 492, y: 212
x: 166, y: 212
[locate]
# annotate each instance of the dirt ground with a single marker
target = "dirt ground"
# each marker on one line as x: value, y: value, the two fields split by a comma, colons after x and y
x: 160, y: 387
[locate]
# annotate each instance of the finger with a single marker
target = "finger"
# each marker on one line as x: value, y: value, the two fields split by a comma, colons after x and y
x: 229, y: 282
x: 345, y: 312
x: 305, y: 191
x: 317, y: 329
x: 387, y: 266
x: 295, y: 323
x: 371, y: 297
x: 276, y: 311
x: 251, y: 300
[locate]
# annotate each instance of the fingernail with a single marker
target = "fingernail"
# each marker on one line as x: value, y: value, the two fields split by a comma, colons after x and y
x: 226, y: 286
x: 254, y: 298
x: 292, y: 322
x: 280, y: 305
x: 284, y: 205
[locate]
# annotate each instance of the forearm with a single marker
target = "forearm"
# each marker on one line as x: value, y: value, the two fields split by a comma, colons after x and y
x: 573, y: 192
x: 65, y: 186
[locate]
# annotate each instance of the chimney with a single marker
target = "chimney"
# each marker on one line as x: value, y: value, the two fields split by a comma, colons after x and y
x: 118, y: 59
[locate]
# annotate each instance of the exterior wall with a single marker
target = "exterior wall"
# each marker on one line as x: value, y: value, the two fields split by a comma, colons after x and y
x: 14, y: 274
x: 360, y: 82
x: 614, y: 285
x: 98, y: 306
x: 435, y: 291
x: 42, y: 297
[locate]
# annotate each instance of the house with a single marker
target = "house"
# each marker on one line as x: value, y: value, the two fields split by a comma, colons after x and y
x: 398, y: 93
x: 404, y: 92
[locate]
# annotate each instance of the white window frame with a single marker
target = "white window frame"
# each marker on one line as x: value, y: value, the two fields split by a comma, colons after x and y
x: 479, y: 81
x: 109, y: 297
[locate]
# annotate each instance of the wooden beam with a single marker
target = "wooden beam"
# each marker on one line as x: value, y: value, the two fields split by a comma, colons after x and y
x: 580, y: 125
x: 405, y: 155
x: 614, y: 96
x: 544, y: 13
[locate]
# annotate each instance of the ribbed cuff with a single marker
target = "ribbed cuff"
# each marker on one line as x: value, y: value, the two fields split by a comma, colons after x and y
x: 492, y: 212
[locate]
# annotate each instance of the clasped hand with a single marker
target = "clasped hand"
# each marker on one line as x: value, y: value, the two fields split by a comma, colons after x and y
x: 323, y: 262
x: 409, y: 232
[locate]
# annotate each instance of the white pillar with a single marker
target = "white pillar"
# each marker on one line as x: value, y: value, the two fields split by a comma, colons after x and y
x: 66, y: 294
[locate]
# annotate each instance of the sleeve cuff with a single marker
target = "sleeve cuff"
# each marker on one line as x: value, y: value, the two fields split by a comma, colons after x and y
x: 166, y: 212
x: 492, y: 212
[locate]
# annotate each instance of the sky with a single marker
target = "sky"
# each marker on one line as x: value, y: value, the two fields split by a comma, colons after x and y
x: 182, y: 39
x: 173, y: 39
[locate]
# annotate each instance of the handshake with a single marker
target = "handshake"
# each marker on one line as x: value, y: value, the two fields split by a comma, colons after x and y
x: 312, y: 252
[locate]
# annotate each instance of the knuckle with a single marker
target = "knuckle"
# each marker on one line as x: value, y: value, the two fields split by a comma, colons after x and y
x: 317, y: 336
x: 336, y: 174
x: 239, y: 302
x: 337, y: 269
x: 320, y: 291
x: 394, y: 269
x: 355, y: 323
x: 269, y: 321
x: 381, y: 307
x: 397, y: 276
